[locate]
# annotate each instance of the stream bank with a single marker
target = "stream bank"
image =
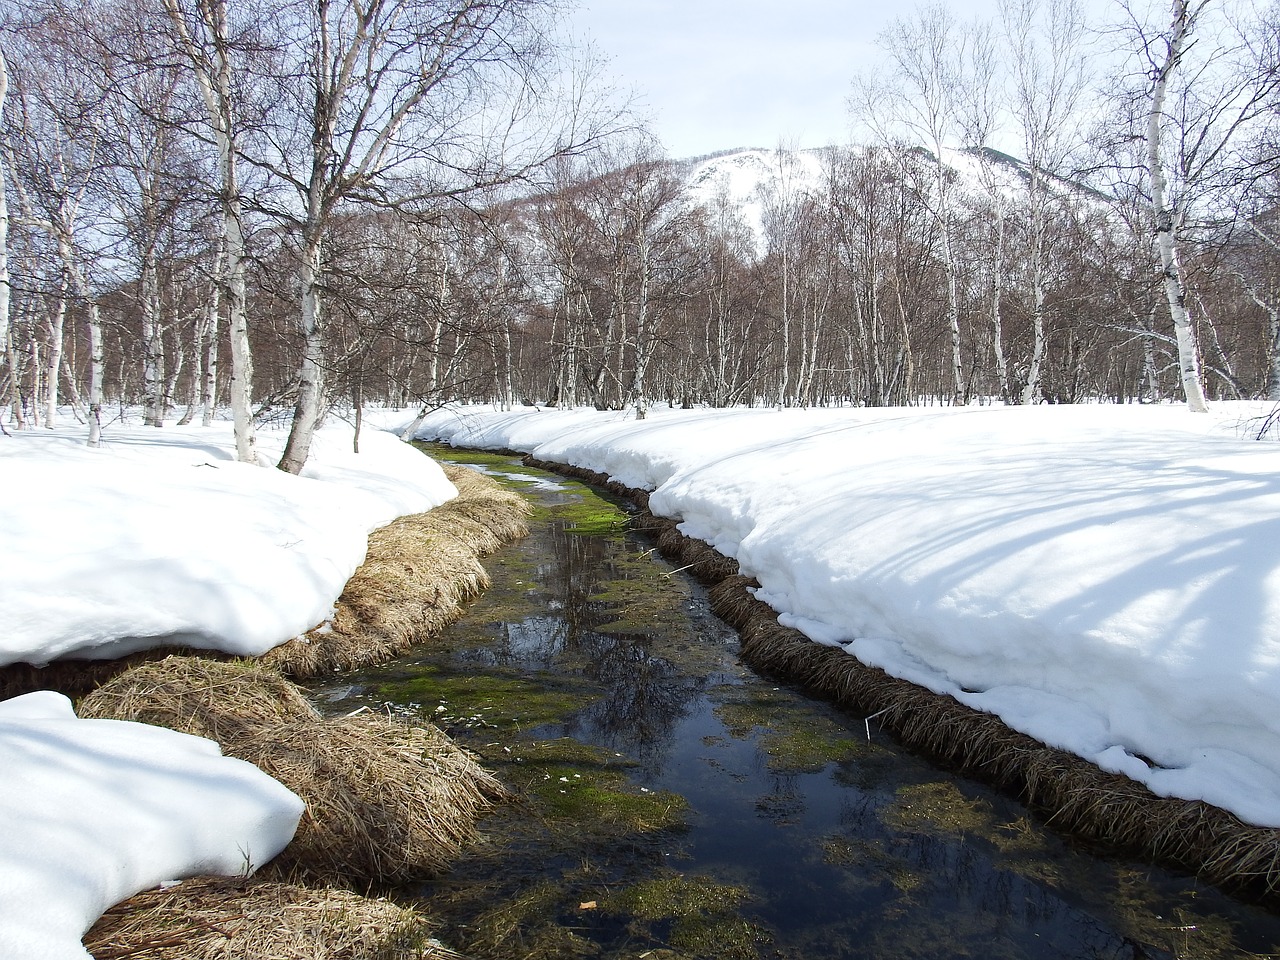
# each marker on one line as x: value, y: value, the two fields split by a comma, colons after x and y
x: 1073, y: 794
x: 387, y: 802
x: 678, y: 804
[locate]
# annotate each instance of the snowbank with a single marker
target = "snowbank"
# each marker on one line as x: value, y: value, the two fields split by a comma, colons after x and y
x: 1104, y: 578
x: 160, y: 537
x: 95, y: 811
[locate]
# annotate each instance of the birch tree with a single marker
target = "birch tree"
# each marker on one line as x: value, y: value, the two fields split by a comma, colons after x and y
x: 781, y: 198
x: 1049, y: 74
x: 1167, y: 51
x: 653, y: 206
x: 404, y: 103
x: 1198, y: 98
x: 203, y: 34
x: 920, y: 97
x: 4, y: 224
x: 51, y: 148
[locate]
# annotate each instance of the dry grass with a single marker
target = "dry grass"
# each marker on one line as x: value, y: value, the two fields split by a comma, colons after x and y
x: 1076, y: 796
x: 74, y: 678
x: 417, y: 574
x: 226, y: 701
x: 386, y: 801
x: 222, y: 919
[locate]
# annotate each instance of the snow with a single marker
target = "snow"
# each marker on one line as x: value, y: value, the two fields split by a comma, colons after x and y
x: 1103, y: 578
x: 97, y: 810
x: 160, y: 537
x: 743, y: 177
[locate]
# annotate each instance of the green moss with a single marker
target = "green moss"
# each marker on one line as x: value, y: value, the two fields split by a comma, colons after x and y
x: 937, y: 808
x: 794, y: 739
x: 587, y: 789
x: 586, y: 512
x: 501, y: 465
x: 504, y: 699
x: 699, y: 917
x: 527, y: 926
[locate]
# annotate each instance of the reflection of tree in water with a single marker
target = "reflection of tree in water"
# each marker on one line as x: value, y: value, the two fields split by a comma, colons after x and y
x: 645, y: 699
x: 573, y: 571
x: 645, y: 696
x: 784, y: 804
x: 952, y: 866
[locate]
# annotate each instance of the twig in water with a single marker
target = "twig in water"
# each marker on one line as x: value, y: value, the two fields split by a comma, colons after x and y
x: 868, y: 720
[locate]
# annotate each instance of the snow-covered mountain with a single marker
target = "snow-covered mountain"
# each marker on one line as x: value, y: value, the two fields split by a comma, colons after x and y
x: 743, y: 177
x: 746, y: 176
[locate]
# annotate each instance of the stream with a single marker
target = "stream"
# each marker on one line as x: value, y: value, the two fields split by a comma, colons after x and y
x: 675, y: 804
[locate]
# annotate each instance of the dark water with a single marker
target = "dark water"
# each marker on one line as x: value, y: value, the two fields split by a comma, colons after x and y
x: 594, y: 679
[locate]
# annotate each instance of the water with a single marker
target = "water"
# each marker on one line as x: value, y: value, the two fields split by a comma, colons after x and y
x: 679, y: 805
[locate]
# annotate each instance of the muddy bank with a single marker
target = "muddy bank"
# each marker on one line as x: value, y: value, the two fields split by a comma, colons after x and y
x: 1074, y: 796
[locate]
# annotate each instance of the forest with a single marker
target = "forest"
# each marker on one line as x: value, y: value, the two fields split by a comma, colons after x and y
x: 280, y: 208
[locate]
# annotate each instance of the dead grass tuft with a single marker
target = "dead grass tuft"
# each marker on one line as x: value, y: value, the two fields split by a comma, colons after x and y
x: 385, y: 801
x: 418, y: 572
x: 226, y: 701
x: 249, y: 919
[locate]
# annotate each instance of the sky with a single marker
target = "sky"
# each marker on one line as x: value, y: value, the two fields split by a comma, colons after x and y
x: 716, y: 74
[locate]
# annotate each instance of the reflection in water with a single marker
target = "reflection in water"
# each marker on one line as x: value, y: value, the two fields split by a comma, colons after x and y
x: 849, y: 848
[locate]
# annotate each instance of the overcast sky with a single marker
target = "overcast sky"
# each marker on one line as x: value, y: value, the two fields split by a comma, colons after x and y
x: 715, y: 74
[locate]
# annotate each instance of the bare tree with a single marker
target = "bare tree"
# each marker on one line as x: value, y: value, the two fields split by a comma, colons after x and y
x: 403, y: 103
x: 1050, y: 77
x: 4, y: 222
x: 51, y: 150
x: 920, y: 98
x: 204, y: 39
x: 1191, y: 102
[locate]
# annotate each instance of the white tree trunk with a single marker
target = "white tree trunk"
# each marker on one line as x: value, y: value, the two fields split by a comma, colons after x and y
x: 152, y: 347
x: 951, y: 268
x: 4, y: 224
x: 1166, y: 223
x: 53, y: 362
x: 209, y: 364
x: 1031, y: 390
x: 997, y: 305
x: 213, y: 76
x: 97, y: 369
x: 309, y: 408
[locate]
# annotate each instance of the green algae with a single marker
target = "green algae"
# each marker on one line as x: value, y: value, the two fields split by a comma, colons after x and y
x: 527, y: 925
x: 505, y: 467
x: 588, y: 513
x: 588, y: 788
x: 503, y: 699
x: 793, y: 739
x: 694, y: 915
x: 938, y: 807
